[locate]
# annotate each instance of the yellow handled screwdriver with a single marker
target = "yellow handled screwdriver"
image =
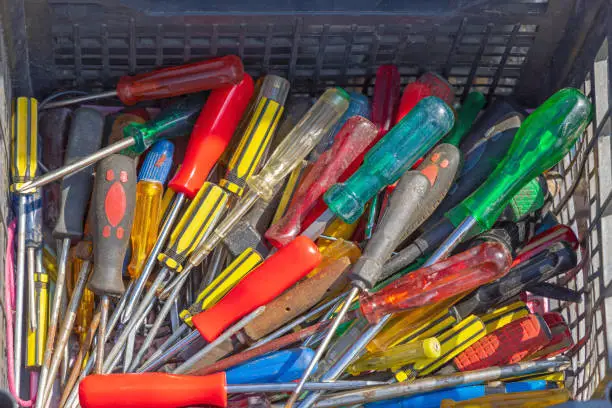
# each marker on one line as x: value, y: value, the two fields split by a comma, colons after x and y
x: 24, y: 163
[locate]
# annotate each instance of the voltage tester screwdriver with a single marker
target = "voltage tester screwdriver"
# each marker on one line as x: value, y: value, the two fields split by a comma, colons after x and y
x: 543, y: 139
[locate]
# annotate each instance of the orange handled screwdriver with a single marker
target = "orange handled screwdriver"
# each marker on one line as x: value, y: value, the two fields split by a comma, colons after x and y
x: 169, y: 82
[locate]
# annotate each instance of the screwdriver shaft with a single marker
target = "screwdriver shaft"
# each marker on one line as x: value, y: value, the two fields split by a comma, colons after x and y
x: 79, y: 99
x: 104, y: 306
x: 164, y: 233
x: 19, y: 288
x: 78, y: 165
x: 156, y: 361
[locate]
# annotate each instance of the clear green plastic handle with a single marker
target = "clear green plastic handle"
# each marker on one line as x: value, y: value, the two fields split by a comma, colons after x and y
x: 395, y: 153
x: 541, y: 142
x: 315, y: 124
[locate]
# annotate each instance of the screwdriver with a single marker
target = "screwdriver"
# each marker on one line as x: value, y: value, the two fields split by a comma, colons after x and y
x: 561, y: 337
x: 176, y: 120
x: 428, y: 84
x: 114, y: 201
x: 383, y: 165
x: 245, y: 160
x: 287, y: 266
x: 113, y: 131
x: 24, y: 164
x: 532, y: 399
x: 351, y: 140
x: 169, y: 391
x: 169, y: 82
x: 466, y: 115
x: 38, y: 280
x: 147, y: 214
x: 209, y: 137
x: 404, y: 200
x: 85, y: 137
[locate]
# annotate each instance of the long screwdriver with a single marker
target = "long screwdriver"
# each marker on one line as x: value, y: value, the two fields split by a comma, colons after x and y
x: 85, y: 136
x: 176, y: 120
x: 543, y: 139
x: 33, y: 243
x: 209, y: 137
x: 24, y: 163
x: 245, y: 160
x: 114, y: 200
x: 169, y: 82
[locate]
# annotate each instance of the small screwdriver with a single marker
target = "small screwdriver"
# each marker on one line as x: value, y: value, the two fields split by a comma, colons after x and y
x: 85, y: 137
x: 169, y: 82
x: 176, y: 120
x: 114, y: 200
x: 554, y: 126
x: 24, y: 164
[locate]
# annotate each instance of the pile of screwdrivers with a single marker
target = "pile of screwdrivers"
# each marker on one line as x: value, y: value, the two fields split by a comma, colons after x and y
x: 317, y: 252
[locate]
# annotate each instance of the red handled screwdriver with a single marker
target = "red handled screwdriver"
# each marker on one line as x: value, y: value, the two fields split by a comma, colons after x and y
x: 169, y: 82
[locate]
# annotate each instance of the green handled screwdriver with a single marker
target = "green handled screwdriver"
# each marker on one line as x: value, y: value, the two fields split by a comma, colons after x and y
x: 542, y: 141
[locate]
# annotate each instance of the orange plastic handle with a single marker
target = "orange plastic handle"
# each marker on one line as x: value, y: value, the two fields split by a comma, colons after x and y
x: 152, y: 390
x: 279, y: 272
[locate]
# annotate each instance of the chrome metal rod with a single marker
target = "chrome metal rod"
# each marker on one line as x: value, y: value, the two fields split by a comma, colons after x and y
x: 164, y: 233
x: 104, y: 306
x: 452, y: 241
x: 19, y: 289
x: 154, y: 362
x: 170, y: 342
x: 79, y: 99
x: 285, y: 387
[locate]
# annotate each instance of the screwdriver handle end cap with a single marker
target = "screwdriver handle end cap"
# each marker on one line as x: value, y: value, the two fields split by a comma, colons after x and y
x: 158, y: 390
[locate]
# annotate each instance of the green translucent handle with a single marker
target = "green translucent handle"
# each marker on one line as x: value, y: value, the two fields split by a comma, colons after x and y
x: 466, y: 115
x: 176, y: 120
x: 395, y: 153
x: 541, y: 142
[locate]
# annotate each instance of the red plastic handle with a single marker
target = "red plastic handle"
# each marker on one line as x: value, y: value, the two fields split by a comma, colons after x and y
x: 349, y: 143
x: 428, y: 84
x: 152, y: 390
x: 544, y: 240
x: 508, y: 345
x: 279, y: 272
x: 180, y: 80
x: 211, y: 135
x: 561, y: 337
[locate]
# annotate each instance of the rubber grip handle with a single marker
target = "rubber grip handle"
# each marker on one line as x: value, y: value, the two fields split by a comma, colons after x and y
x: 508, y: 345
x: 279, y: 272
x: 282, y: 366
x: 24, y: 134
x: 355, y: 135
x: 298, y: 299
x: 157, y: 390
x: 211, y: 135
x: 555, y: 260
x: 180, y: 80
x: 114, y: 201
x: 84, y: 139
x: 409, y: 194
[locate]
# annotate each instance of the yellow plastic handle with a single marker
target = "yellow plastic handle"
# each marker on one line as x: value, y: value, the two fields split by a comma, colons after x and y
x: 24, y: 134
x: 530, y: 399
x: 37, y: 338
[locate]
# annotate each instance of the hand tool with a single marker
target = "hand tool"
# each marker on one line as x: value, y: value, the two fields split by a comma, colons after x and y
x: 466, y: 115
x: 53, y: 128
x: 561, y: 337
x: 550, y: 291
x: 350, y: 141
x: 453, y: 341
x: 289, y: 189
x: 479, y: 161
x: 504, y: 315
x: 336, y: 230
x: 395, y: 357
x: 176, y: 120
x: 147, y: 213
x: 428, y: 84
x: 168, y: 391
x: 434, y: 398
x: 431, y: 383
x: 328, y: 109
x: 557, y: 259
x: 168, y: 82
x: 114, y: 200
x: 281, y: 366
x: 556, y: 125
x: 209, y: 137
x: 24, y: 163
x: 85, y: 137
x: 531, y: 399
x: 508, y: 345
x: 558, y: 233
x: 33, y: 244
x: 243, y: 163
x: 406, y: 197
x: 82, y: 253
x: 359, y: 105
x: 384, y: 105
x: 288, y: 265
x: 37, y: 338
x: 114, y: 124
